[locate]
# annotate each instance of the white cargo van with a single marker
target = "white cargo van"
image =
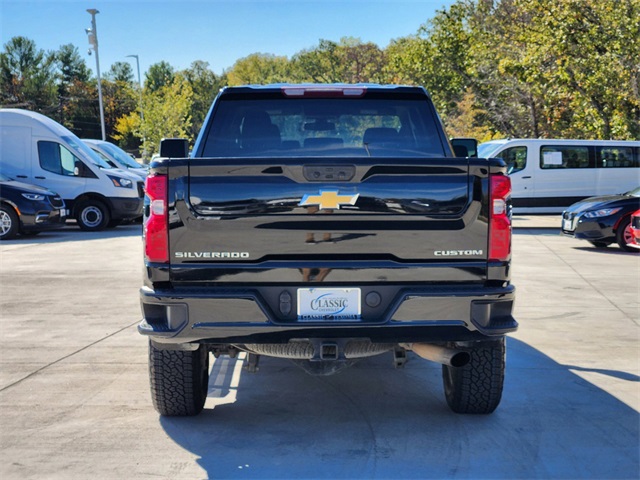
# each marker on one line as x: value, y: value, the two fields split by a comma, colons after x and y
x: 549, y: 175
x: 35, y: 149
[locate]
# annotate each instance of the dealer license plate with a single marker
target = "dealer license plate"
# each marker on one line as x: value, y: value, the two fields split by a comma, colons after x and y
x: 328, y: 304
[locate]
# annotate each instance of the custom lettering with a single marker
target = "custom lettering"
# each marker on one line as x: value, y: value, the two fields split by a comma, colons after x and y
x: 457, y: 253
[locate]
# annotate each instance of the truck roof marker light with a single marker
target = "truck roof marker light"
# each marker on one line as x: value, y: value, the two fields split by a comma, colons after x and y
x: 293, y: 92
x: 156, y: 227
x: 324, y: 92
x: 500, y: 219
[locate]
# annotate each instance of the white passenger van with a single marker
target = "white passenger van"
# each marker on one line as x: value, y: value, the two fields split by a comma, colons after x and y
x: 549, y: 175
x: 35, y: 149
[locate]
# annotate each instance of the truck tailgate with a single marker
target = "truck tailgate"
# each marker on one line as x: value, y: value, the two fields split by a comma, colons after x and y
x: 327, y: 212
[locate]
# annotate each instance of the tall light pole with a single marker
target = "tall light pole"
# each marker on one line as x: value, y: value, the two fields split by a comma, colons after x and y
x: 92, y: 33
x: 144, y: 140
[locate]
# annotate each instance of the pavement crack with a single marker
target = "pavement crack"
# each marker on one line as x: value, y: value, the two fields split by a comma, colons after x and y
x: 44, y: 367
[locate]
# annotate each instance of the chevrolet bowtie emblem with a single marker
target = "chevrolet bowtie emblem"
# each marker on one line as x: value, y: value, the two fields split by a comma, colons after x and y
x: 328, y: 199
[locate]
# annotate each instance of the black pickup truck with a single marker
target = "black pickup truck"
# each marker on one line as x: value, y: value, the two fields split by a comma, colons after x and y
x: 324, y: 224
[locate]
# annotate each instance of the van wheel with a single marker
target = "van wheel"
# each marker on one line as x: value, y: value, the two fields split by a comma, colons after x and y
x: 624, y: 236
x: 179, y: 380
x: 477, y: 387
x: 9, y: 223
x: 92, y: 215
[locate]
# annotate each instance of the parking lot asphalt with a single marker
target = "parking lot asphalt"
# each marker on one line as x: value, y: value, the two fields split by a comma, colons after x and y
x: 75, y: 403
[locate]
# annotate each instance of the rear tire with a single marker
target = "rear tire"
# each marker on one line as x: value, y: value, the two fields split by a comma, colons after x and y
x: 179, y: 380
x: 624, y: 236
x: 477, y: 387
x: 9, y: 223
x: 92, y: 215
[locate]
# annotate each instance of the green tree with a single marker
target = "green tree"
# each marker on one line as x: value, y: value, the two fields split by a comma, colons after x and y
x: 529, y: 68
x: 27, y: 76
x: 205, y: 85
x: 159, y: 75
x: 361, y: 62
x: 73, y: 84
x: 127, y: 132
x: 320, y: 64
x: 121, y: 72
x: 167, y: 113
x: 348, y: 61
x: 119, y: 99
x: 439, y: 57
x: 587, y: 65
x: 71, y: 66
x: 80, y: 109
x: 509, y: 103
x: 405, y: 61
x: 259, y: 69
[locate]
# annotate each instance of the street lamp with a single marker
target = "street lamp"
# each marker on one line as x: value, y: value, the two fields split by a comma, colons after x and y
x: 144, y: 141
x: 92, y: 34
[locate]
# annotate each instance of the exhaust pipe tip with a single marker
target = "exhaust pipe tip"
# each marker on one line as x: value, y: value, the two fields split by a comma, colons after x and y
x: 439, y: 354
x: 460, y: 359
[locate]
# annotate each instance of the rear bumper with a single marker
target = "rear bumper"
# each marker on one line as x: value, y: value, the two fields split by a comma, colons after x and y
x: 253, y: 315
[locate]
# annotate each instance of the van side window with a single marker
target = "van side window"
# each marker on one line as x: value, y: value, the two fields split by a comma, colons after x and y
x: 56, y: 158
x: 515, y: 158
x: 615, y: 157
x: 568, y: 156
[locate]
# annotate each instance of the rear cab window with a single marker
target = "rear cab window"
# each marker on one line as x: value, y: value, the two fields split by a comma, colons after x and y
x: 272, y: 124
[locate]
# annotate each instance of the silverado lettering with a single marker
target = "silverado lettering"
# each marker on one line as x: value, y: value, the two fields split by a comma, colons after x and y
x: 341, y: 203
x: 211, y: 254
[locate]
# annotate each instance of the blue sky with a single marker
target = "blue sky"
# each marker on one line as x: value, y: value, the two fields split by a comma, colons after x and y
x: 216, y: 31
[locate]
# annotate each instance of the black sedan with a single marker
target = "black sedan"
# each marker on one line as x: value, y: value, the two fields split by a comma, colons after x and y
x: 603, y: 220
x: 28, y: 209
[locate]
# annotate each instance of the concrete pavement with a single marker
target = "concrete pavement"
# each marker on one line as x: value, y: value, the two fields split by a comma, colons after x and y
x: 74, y: 395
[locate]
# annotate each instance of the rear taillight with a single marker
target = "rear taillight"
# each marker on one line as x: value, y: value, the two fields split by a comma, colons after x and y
x: 156, y: 227
x: 500, y: 219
